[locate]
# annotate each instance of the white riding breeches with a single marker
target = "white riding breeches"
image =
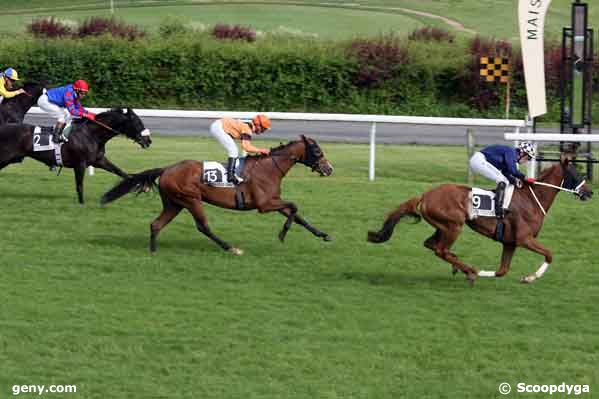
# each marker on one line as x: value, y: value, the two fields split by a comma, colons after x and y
x: 60, y: 114
x: 480, y: 165
x: 216, y: 130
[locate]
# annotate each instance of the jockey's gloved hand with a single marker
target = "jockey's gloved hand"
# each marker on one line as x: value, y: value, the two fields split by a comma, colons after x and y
x: 530, y: 180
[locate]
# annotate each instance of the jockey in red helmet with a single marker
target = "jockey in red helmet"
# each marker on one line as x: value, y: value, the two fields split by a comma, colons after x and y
x: 64, y: 104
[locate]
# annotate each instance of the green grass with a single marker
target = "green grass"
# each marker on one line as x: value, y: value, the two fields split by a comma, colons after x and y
x: 330, y: 19
x: 82, y: 302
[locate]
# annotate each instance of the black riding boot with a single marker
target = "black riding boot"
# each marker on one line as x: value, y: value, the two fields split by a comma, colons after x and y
x: 57, y: 135
x: 231, y: 176
x: 499, y: 196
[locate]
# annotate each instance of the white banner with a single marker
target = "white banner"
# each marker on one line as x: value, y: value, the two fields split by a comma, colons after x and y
x: 531, y: 15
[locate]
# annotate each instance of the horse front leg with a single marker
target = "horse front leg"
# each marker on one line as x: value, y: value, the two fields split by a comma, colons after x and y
x: 79, y: 175
x: 104, y: 163
x: 504, y: 267
x: 532, y: 244
x: 302, y: 222
x: 278, y: 204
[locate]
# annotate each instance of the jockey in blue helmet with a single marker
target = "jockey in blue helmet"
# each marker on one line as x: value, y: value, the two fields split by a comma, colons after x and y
x: 500, y: 164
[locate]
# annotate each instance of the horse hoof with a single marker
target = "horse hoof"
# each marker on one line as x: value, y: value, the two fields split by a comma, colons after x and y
x: 236, y: 251
x: 471, y: 278
x: 282, y: 237
x: 527, y: 279
x: 454, y: 270
x: 327, y: 237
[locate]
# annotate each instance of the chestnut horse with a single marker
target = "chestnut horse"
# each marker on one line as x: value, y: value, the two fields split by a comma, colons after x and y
x: 446, y: 209
x: 181, y: 186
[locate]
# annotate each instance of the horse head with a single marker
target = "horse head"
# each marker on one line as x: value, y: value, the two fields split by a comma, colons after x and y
x: 572, y: 180
x: 313, y: 157
x: 34, y: 90
x: 14, y: 109
x: 126, y: 121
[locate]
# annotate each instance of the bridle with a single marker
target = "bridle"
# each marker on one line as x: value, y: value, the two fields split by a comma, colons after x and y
x: 575, y: 191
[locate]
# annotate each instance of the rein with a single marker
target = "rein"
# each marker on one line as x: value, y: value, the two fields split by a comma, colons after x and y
x: 559, y: 188
x: 575, y: 191
x: 145, y: 132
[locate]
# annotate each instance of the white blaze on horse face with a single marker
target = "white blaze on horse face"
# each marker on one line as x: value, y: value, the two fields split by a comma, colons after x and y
x: 145, y: 132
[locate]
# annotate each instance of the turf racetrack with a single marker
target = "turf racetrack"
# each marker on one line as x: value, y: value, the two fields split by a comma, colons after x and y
x: 82, y: 302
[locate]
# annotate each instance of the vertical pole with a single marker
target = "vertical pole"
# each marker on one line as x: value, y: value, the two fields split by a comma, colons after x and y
x: 507, y: 99
x: 470, y: 151
x: 111, y: 6
x: 372, y: 151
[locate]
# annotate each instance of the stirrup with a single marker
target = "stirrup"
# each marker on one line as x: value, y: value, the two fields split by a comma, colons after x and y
x: 237, y: 180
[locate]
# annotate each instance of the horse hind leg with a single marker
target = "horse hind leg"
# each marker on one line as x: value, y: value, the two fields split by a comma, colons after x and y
x: 197, y: 211
x: 446, y: 239
x: 432, y: 242
x: 169, y: 212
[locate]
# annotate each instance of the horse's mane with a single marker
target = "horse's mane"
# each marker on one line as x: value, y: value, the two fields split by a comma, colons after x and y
x: 274, y: 150
x: 547, y: 171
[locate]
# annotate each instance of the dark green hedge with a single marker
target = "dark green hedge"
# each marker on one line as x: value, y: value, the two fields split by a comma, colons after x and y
x: 269, y: 75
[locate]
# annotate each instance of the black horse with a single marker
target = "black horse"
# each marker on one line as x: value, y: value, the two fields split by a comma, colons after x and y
x: 13, y: 110
x: 86, y: 145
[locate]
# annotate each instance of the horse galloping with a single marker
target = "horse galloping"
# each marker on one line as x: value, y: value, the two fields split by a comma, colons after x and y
x: 86, y: 145
x: 181, y: 186
x: 446, y: 208
x: 13, y: 110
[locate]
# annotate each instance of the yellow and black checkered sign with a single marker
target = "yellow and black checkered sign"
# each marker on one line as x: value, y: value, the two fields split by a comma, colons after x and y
x: 495, y: 69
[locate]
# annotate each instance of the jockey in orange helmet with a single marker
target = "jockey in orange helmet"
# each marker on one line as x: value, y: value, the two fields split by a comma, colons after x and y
x: 227, y: 130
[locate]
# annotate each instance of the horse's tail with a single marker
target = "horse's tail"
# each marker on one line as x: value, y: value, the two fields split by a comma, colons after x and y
x: 137, y: 182
x: 408, y: 208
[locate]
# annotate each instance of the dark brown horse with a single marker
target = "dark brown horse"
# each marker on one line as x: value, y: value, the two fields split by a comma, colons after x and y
x: 86, y: 145
x: 13, y: 110
x: 181, y: 186
x: 446, y: 208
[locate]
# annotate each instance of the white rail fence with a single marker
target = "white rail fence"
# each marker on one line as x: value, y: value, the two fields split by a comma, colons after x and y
x: 372, y: 119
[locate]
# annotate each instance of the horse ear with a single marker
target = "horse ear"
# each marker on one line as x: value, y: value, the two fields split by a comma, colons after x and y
x: 304, y: 138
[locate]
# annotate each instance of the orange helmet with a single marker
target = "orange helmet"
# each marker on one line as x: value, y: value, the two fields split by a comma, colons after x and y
x: 262, y: 120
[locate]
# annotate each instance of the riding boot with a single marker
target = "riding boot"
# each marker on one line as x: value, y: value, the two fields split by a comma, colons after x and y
x: 57, y: 135
x: 231, y: 176
x: 499, y: 196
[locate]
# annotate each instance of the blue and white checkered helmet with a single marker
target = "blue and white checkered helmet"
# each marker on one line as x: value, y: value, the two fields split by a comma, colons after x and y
x: 527, y: 148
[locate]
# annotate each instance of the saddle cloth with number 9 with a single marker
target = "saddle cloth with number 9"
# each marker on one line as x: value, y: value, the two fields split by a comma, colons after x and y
x: 482, y: 202
x: 215, y: 173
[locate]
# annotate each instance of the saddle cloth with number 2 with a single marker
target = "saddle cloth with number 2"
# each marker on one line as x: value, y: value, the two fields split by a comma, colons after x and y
x: 482, y: 202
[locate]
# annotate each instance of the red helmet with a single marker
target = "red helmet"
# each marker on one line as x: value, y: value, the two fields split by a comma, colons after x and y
x: 81, y: 85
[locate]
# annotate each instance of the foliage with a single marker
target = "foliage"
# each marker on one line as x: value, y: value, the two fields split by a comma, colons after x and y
x: 96, y: 26
x: 234, y: 32
x: 379, y: 60
x: 49, y: 27
x: 429, y: 33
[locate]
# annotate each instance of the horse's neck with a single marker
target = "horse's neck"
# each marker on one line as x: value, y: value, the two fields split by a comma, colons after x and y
x: 99, y: 133
x: 546, y: 195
